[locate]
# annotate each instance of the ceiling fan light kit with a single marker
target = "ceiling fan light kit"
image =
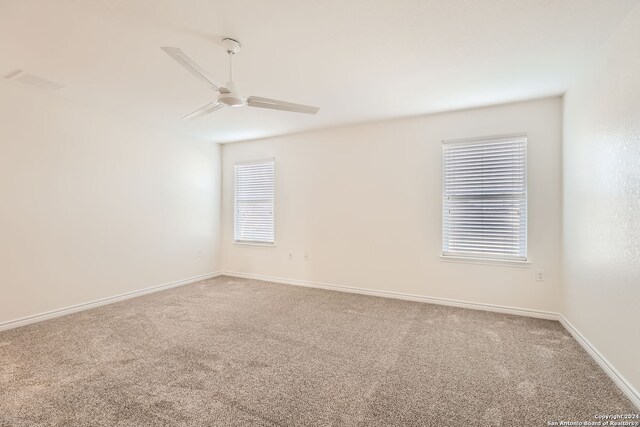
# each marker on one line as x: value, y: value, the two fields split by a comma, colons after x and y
x: 228, y: 95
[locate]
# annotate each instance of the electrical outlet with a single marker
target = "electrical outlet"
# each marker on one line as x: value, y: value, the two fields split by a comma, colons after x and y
x: 290, y: 256
x: 540, y: 276
x: 199, y: 254
x: 306, y: 257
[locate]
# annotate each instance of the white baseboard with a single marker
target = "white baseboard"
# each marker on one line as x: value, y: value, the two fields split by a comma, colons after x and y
x: 613, y: 373
x: 629, y: 390
x: 398, y: 295
x: 102, y: 301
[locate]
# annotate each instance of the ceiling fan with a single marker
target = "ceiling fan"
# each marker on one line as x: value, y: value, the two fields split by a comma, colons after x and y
x: 228, y: 95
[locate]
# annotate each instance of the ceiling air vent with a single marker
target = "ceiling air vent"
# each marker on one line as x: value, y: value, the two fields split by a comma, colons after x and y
x: 31, y: 80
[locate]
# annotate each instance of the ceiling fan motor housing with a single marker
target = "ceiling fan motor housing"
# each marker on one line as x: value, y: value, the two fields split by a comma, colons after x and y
x: 231, y: 99
x: 229, y: 96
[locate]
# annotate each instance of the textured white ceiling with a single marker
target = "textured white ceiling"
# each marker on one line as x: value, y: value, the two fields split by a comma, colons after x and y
x: 358, y: 60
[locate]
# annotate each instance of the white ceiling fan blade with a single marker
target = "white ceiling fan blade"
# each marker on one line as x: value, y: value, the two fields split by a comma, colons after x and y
x: 209, y: 108
x: 274, y: 104
x: 190, y: 65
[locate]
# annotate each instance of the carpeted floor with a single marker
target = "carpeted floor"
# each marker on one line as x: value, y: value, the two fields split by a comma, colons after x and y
x: 233, y: 352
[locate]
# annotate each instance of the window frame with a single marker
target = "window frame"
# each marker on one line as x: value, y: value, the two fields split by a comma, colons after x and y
x: 235, y: 203
x: 490, y: 258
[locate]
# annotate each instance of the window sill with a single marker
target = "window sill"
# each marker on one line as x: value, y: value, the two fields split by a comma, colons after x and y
x: 264, y: 245
x: 486, y: 261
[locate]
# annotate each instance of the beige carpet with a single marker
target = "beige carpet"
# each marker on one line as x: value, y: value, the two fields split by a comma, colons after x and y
x: 233, y: 352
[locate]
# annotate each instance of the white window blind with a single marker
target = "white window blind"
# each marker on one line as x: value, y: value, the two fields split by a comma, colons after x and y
x: 485, y: 198
x: 254, y: 200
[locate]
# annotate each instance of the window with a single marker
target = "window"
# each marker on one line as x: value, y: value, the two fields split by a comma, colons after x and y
x: 484, y: 198
x: 254, y: 199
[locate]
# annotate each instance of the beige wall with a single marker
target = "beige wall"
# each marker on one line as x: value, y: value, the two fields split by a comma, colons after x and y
x: 602, y: 202
x: 364, y: 203
x: 94, y: 206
